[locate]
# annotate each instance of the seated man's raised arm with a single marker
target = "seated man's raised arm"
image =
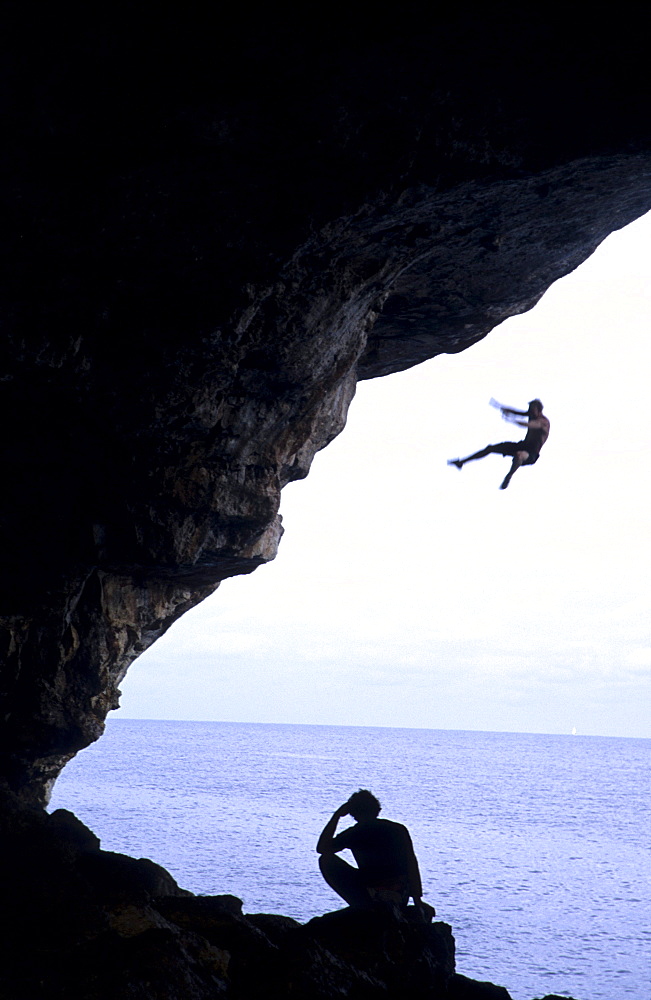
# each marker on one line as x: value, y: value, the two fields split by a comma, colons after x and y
x: 324, y: 844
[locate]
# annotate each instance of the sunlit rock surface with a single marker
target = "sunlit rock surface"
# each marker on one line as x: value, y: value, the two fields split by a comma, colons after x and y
x: 212, y: 231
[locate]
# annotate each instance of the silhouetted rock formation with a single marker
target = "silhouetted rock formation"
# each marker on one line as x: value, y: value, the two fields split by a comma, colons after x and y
x: 212, y: 232
x: 92, y: 925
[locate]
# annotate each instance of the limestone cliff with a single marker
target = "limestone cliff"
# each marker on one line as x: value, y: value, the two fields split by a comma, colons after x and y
x: 214, y: 229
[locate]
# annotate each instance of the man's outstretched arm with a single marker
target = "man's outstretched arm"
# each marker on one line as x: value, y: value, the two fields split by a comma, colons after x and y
x: 511, y: 415
x: 507, y: 411
x: 325, y: 841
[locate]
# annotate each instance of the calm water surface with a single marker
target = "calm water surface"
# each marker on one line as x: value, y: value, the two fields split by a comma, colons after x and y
x: 534, y: 848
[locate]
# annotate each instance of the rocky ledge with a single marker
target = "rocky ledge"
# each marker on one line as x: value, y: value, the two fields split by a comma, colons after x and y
x: 86, y: 924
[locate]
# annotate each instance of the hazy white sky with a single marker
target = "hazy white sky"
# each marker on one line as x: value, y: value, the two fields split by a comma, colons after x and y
x: 407, y: 593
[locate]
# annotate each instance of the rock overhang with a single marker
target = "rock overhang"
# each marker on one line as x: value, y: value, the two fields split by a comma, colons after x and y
x: 215, y: 237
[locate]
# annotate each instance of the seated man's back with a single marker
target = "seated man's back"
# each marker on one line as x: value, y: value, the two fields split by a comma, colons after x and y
x: 383, y: 852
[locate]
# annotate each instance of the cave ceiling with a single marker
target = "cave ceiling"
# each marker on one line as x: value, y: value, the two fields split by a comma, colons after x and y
x: 213, y: 231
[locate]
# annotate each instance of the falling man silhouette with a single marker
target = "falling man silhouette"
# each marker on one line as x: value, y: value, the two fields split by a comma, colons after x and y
x: 387, y: 869
x: 525, y: 452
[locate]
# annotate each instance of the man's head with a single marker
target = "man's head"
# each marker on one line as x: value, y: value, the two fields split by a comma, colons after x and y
x: 535, y: 408
x: 363, y: 805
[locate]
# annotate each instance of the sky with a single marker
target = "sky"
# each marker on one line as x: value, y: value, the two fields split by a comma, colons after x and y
x: 409, y: 593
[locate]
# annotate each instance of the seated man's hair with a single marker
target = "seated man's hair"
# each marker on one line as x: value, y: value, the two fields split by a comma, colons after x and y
x: 363, y: 805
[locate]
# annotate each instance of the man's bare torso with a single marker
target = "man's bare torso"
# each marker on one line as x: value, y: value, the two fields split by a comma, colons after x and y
x: 537, y: 433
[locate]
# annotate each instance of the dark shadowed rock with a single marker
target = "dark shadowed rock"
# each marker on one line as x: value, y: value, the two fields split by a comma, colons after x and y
x: 83, y: 923
x: 553, y: 996
x: 462, y: 988
x: 212, y: 231
x: 415, y: 958
x: 117, y: 875
x: 277, y: 928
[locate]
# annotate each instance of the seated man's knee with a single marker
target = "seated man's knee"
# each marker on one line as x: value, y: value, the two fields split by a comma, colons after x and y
x: 327, y: 862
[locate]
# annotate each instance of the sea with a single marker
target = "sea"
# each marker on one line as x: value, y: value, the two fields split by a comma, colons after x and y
x: 534, y: 848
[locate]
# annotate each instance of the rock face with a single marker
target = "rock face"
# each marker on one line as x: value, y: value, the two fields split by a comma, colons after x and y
x: 93, y: 925
x: 83, y: 923
x: 214, y: 232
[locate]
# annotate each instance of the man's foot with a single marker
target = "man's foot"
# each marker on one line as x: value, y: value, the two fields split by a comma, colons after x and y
x: 427, y: 909
x: 505, y: 483
x: 455, y: 461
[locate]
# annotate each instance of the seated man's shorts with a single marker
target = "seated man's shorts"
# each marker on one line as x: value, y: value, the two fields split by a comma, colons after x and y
x: 511, y: 447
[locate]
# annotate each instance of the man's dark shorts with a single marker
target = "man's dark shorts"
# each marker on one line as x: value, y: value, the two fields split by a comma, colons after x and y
x: 511, y: 447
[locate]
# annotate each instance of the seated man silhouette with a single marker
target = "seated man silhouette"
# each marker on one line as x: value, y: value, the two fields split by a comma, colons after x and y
x: 387, y: 869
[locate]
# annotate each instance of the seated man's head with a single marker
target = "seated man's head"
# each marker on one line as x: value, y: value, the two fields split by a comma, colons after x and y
x: 363, y: 805
x: 535, y: 408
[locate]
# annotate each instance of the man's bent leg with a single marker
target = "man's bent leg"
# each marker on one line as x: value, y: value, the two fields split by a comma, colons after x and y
x: 345, y: 880
x: 519, y: 458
